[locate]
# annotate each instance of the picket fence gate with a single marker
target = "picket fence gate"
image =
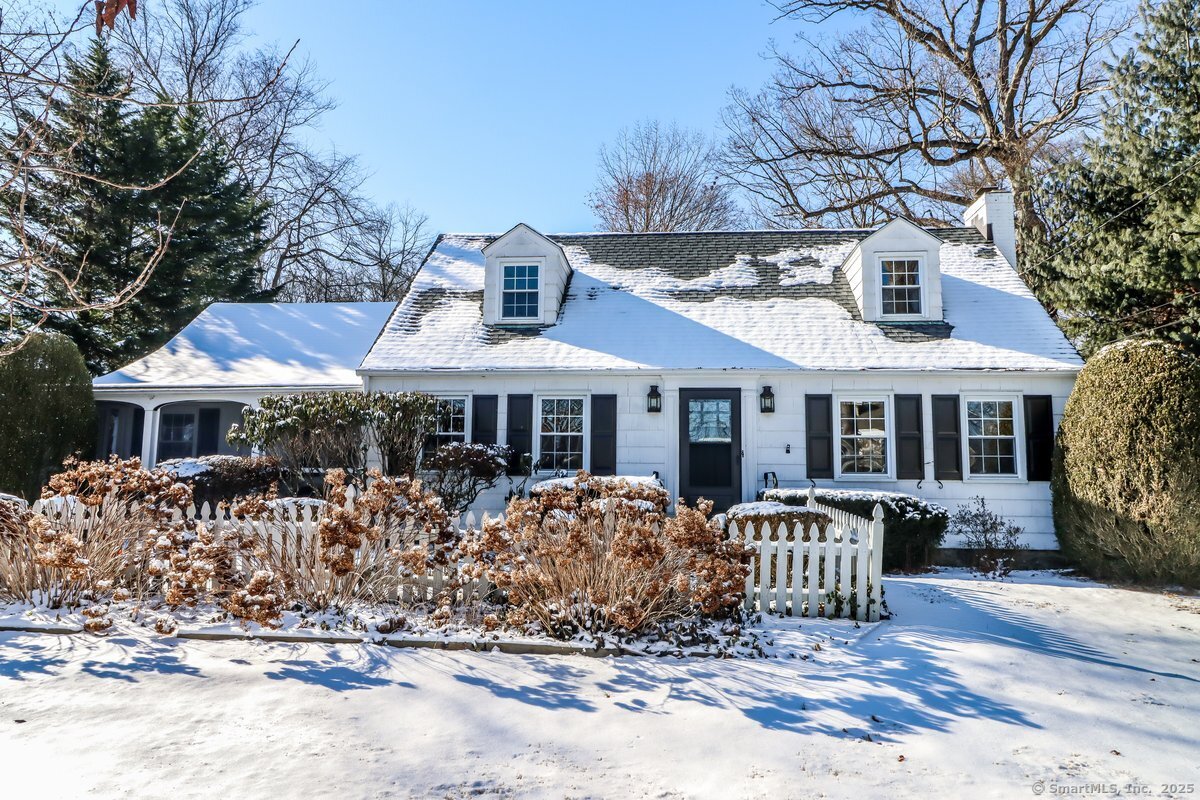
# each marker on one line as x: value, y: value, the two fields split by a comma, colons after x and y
x: 804, y: 573
x: 793, y: 572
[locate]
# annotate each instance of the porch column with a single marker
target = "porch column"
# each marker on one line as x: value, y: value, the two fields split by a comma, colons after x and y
x: 149, y: 432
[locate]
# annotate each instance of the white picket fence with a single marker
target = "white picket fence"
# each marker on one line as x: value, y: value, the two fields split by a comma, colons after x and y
x: 794, y: 572
x: 294, y: 535
x: 802, y: 573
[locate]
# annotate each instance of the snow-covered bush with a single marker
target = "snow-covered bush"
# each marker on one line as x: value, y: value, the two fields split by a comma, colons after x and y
x: 603, y: 556
x: 773, y: 514
x: 1126, y: 481
x: 992, y: 541
x: 394, y: 531
x: 315, y: 432
x: 310, y: 433
x: 215, y: 479
x: 459, y: 472
x: 913, y: 528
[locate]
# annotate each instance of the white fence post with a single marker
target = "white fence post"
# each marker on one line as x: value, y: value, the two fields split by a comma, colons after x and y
x: 876, y: 578
x: 814, y: 577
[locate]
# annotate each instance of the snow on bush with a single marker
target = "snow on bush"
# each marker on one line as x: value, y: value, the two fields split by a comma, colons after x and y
x: 219, y: 478
x: 364, y: 552
x: 114, y: 530
x: 601, y: 555
x: 459, y: 472
x: 315, y: 432
x: 913, y: 527
x: 773, y: 514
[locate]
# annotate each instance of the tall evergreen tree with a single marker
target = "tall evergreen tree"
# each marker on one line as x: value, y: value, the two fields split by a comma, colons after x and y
x: 1126, y: 219
x: 91, y: 212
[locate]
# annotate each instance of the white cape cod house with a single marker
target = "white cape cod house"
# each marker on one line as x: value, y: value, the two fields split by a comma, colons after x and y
x: 900, y: 358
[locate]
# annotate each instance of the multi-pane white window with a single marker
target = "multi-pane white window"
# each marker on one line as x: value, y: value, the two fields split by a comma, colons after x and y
x: 901, y: 286
x: 451, y: 421
x: 560, y: 433
x: 991, y: 437
x: 519, y: 298
x: 176, y: 436
x: 863, y: 435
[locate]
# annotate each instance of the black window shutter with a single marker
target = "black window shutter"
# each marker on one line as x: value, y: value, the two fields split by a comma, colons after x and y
x: 520, y: 429
x: 604, y: 434
x: 208, y: 432
x: 947, y: 438
x: 483, y: 418
x: 1039, y: 436
x: 910, y: 438
x: 818, y: 424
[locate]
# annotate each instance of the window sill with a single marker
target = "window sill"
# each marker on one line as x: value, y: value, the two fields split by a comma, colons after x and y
x: 874, y: 477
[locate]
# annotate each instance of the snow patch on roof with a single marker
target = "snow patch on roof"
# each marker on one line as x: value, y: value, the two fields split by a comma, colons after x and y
x: 261, y: 344
x: 653, y: 281
x: 811, y: 265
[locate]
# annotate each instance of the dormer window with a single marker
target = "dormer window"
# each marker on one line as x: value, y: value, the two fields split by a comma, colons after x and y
x: 900, y: 284
x: 519, y: 297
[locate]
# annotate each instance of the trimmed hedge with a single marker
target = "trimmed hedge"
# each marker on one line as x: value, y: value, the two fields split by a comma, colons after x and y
x: 912, y: 528
x: 774, y: 514
x: 46, y: 412
x: 221, y: 478
x: 1126, y: 479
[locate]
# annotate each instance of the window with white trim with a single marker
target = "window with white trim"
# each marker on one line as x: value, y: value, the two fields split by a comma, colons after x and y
x: 901, y: 286
x: 991, y: 437
x: 862, y: 434
x: 451, y: 421
x: 519, y: 295
x: 560, y: 433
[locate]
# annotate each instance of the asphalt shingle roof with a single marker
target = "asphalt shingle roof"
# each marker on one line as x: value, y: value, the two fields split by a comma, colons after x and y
x: 720, y: 300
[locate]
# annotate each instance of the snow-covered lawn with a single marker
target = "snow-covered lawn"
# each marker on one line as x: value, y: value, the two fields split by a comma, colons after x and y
x: 974, y: 689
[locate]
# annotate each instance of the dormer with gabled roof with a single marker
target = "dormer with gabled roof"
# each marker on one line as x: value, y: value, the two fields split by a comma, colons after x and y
x: 895, y: 274
x: 525, y: 279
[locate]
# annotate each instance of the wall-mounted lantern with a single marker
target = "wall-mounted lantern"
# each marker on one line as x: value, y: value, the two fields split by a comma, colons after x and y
x: 766, y: 401
x: 653, y: 400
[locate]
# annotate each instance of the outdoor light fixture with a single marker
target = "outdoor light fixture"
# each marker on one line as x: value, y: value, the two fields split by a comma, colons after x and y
x: 653, y: 400
x: 766, y: 401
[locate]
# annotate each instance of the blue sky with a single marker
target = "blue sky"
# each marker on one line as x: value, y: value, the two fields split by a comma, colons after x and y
x: 482, y: 114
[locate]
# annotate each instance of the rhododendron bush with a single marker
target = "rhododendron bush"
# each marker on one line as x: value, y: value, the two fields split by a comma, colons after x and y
x: 603, y: 555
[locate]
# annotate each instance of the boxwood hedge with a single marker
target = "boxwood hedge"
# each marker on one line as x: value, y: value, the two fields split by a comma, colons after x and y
x: 1126, y: 478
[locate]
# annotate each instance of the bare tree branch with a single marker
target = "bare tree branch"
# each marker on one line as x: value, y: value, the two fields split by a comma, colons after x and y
x: 661, y: 179
x: 914, y: 113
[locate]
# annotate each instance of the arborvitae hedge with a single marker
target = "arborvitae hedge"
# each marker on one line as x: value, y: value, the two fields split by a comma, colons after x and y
x: 1127, y: 467
x: 46, y: 411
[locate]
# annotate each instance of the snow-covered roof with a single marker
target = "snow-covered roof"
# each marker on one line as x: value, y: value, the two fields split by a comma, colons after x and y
x: 301, y: 345
x: 760, y: 300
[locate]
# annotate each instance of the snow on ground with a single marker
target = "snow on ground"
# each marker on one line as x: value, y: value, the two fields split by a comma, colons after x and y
x: 974, y: 689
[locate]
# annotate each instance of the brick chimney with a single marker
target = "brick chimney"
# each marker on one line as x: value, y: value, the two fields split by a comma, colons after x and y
x: 992, y: 215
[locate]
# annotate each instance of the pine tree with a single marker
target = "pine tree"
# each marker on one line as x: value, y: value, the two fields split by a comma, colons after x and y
x: 88, y: 216
x: 1126, y: 218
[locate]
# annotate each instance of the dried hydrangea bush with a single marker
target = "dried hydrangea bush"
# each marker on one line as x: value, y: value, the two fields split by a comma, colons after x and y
x: 363, y: 551
x: 603, y: 556
x: 110, y: 529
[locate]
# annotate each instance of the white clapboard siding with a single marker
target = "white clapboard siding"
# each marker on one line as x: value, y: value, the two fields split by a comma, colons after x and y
x: 801, y: 573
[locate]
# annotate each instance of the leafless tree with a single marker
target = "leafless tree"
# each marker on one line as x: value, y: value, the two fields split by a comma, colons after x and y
x: 661, y: 179
x: 912, y: 114
x: 323, y: 235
